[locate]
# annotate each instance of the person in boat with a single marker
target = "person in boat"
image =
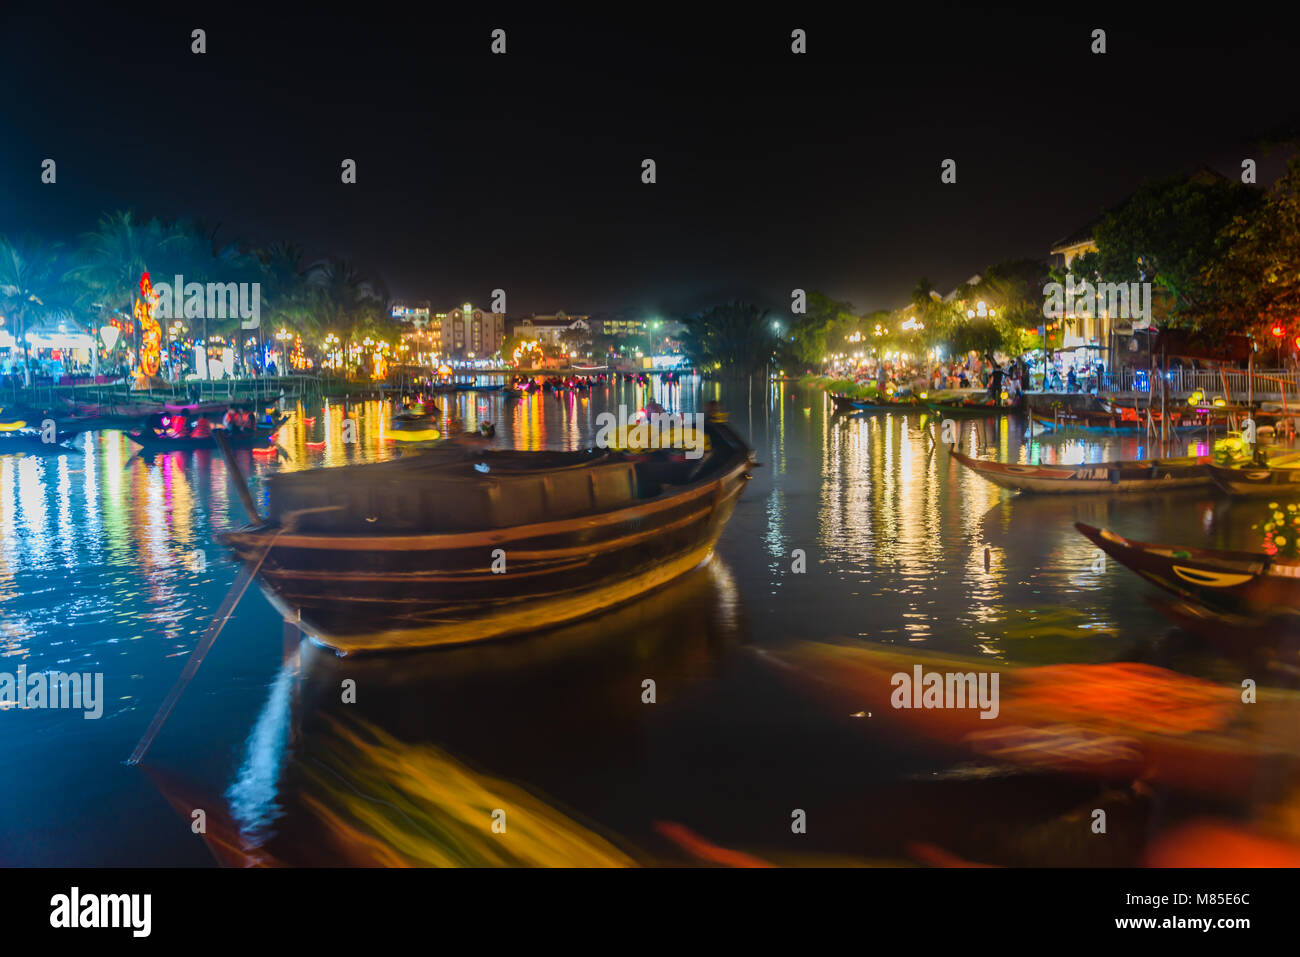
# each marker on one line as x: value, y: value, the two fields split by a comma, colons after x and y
x: 157, y: 424
x: 202, y: 428
x: 178, y: 427
x: 230, y: 421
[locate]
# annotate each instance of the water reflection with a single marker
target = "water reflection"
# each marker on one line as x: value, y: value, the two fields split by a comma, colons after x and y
x: 108, y: 559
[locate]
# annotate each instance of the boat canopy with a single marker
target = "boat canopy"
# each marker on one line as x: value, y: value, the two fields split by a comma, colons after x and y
x: 453, y: 490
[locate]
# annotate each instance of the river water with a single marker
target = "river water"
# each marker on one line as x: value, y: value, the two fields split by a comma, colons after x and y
x: 854, y: 530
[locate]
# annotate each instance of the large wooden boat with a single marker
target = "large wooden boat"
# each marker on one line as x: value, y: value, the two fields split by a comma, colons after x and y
x: 1133, y: 476
x: 463, y: 544
x: 1251, y: 584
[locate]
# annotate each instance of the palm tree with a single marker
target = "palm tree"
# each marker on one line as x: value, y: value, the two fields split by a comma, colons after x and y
x: 30, y: 289
x: 112, y: 257
x: 342, y: 299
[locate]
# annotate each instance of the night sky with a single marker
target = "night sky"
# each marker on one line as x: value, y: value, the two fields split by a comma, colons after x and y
x: 523, y: 171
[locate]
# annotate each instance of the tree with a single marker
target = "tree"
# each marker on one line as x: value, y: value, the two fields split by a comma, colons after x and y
x: 113, y: 255
x: 1255, y: 284
x: 822, y: 329
x: 345, y: 303
x: 736, y: 339
x: 30, y: 289
x: 1168, y: 233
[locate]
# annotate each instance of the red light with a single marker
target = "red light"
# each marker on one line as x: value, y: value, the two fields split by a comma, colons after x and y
x: 1278, y: 331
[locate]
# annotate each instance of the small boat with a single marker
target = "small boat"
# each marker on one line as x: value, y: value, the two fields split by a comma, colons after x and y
x: 149, y: 439
x: 844, y: 403
x: 461, y: 544
x: 425, y: 434
x: 444, y: 388
x: 1251, y: 481
x: 197, y: 408
x: 969, y: 409
x: 1142, y: 475
x: 1251, y: 584
x: 1112, y: 424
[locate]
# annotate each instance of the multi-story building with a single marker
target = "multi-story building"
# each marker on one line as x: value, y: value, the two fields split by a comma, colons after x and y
x: 622, y: 326
x: 470, y: 333
x: 549, y: 328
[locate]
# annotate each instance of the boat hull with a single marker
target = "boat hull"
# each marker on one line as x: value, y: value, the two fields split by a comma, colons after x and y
x: 395, y: 591
x: 1109, y: 424
x: 1239, y: 583
x: 1247, y: 482
x: 156, y: 443
x: 1103, y: 477
x: 972, y: 411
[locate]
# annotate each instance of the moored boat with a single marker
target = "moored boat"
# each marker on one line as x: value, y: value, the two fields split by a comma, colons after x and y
x: 1114, y: 424
x: 844, y: 403
x: 968, y: 409
x: 1252, y: 584
x: 462, y: 544
x: 1121, y: 476
x: 1250, y: 481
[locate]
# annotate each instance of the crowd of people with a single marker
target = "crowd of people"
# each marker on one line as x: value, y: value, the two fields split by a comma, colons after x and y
x: 1004, y: 382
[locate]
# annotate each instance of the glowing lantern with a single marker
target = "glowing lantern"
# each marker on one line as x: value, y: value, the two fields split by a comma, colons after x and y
x: 150, y: 332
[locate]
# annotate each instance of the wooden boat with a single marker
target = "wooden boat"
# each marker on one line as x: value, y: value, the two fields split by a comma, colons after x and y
x: 444, y: 388
x: 845, y: 404
x: 968, y: 409
x: 148, y: 439
x: 1090, y: 421
x: 1250, y: 584
x: 1133, y: 476
x: 1249, y: 481
x: 461, y: 544
x: 1115, y: 722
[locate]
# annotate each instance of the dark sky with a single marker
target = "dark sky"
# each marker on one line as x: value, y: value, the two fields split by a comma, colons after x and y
x: 523, y: 171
